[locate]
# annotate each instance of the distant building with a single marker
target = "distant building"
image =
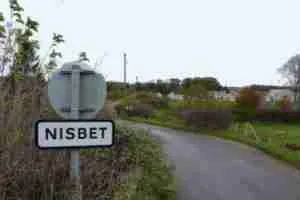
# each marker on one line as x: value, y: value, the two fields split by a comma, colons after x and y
x: 224, y: 95
x: 158, y: 94
x: 277, y: 94
x: 174, y: 96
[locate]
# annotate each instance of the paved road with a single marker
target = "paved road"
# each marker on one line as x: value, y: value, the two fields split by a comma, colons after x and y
x: 213, y: 169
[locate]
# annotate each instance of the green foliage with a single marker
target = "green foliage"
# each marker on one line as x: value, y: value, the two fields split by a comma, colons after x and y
x: 1, y: 17
x: 195, y: 91
x: 151, y: 176
x: 208, y: 83
x: 54, y: 55
x: 284, y: 104
x: 247, y: 103
x: 83, y: 56
x: 21, y: 51
x: 57, y: 39
x: 15, y: 6
x: 248, y: 98
x: 268, y: 137
x: 2, y: 29
x: 212, y: 119
x: 201, y: 104
x: 148, y: 99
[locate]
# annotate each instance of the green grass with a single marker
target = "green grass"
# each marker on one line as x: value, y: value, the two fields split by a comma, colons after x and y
x: 271, y: 138
x: 150, y: 176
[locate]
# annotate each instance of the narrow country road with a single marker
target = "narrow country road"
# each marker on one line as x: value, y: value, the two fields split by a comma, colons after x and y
x: 208, y: 168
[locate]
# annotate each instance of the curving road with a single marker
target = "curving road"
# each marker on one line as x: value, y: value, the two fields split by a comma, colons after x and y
x: 209, y: 168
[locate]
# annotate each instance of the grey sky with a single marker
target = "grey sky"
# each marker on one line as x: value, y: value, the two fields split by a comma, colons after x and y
x: 237, y: 41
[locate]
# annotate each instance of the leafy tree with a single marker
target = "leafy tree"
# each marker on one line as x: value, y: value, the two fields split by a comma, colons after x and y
x: 186, y: 83
x: 162, y: 87
x: 195, y: 91
x: 54, y: 55
x: 284, y: 104
x: 83, y: 56
x: 209, y: 83
x: 20, y: 52
x: 248, y: 98
x: 174, y: 84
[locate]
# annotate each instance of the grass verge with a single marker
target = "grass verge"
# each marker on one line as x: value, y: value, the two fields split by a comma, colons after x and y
x: 150, y: 175
x: 269, y: 138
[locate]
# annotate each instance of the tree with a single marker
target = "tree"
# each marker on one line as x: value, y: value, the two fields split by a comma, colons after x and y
x: 248, y: 98
x: 162, y: 87
x: 186, y: 83
x: 174, y: 84
x: 195, y: 91
x: 20, y: 51
x: 209, y: 83
x: 83, y: 57
x: 291, y: 73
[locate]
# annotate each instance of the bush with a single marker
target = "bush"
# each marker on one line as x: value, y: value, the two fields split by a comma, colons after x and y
x: 213, y: 119
x: 139, y: 110
x: 248, y: 98
x: 108, y: 112
x: 244, y: 114
x: 201, y: 104
x: 276, y: 116
x: 28, y: 173
x: 151, y: 99
x: 284, y: 104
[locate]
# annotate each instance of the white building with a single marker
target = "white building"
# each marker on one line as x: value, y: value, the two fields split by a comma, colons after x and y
x: 277, y: 94
x: 223, y: 95
x: 174, y: 96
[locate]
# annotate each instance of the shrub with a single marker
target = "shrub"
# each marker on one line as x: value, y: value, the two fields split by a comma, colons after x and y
x: 108, y: 112
x: 28, y: 173
x: 247, y: 103
x: 284, y: 104
x: 139, y: 110
x: 201, y: 104
x: 213, y: 119
x: 151, y: 99
x: 248, y: 98
x: 276, y: 116
x: 244, y: 114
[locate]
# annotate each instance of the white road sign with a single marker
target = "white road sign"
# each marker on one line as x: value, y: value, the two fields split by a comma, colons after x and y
x: 74, y: 133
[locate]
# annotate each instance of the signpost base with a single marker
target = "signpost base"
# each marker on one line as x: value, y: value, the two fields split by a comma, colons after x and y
x: 75, y: 174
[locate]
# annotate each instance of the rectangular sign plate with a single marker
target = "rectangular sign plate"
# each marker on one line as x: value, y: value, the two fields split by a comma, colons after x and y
x: 74, y: 133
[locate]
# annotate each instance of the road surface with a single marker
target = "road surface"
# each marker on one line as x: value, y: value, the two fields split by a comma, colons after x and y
x: 208, y: 168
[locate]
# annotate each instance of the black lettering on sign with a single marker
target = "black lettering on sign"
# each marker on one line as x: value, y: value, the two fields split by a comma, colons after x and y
x: 70, y: 133
x: 61, y: 133
x: 93, y: 133
x: 102, y: 131
x: 50, y: 133
x: 82, y: 133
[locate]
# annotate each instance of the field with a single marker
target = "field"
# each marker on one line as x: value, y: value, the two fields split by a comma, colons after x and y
x: 279, y: 140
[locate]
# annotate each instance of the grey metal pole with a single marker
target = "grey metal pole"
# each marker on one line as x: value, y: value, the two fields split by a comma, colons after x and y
x: 125, y: 68
x: 75, y: 162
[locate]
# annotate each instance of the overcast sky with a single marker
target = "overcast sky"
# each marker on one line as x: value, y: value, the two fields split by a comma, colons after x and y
x: 237, y: 41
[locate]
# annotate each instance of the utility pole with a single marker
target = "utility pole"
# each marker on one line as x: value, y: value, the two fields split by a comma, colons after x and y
x: 125, y: 68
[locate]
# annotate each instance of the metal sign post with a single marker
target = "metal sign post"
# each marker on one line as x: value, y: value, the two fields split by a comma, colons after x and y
x: 74, y: 154
x: 76, y: 92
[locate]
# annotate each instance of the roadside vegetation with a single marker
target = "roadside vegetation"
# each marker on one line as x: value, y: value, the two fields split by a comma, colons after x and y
x: 272, y: 127
x: 134, y: 168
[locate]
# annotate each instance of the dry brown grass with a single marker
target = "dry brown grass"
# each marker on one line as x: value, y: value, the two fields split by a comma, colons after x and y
x: 28, y: 173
